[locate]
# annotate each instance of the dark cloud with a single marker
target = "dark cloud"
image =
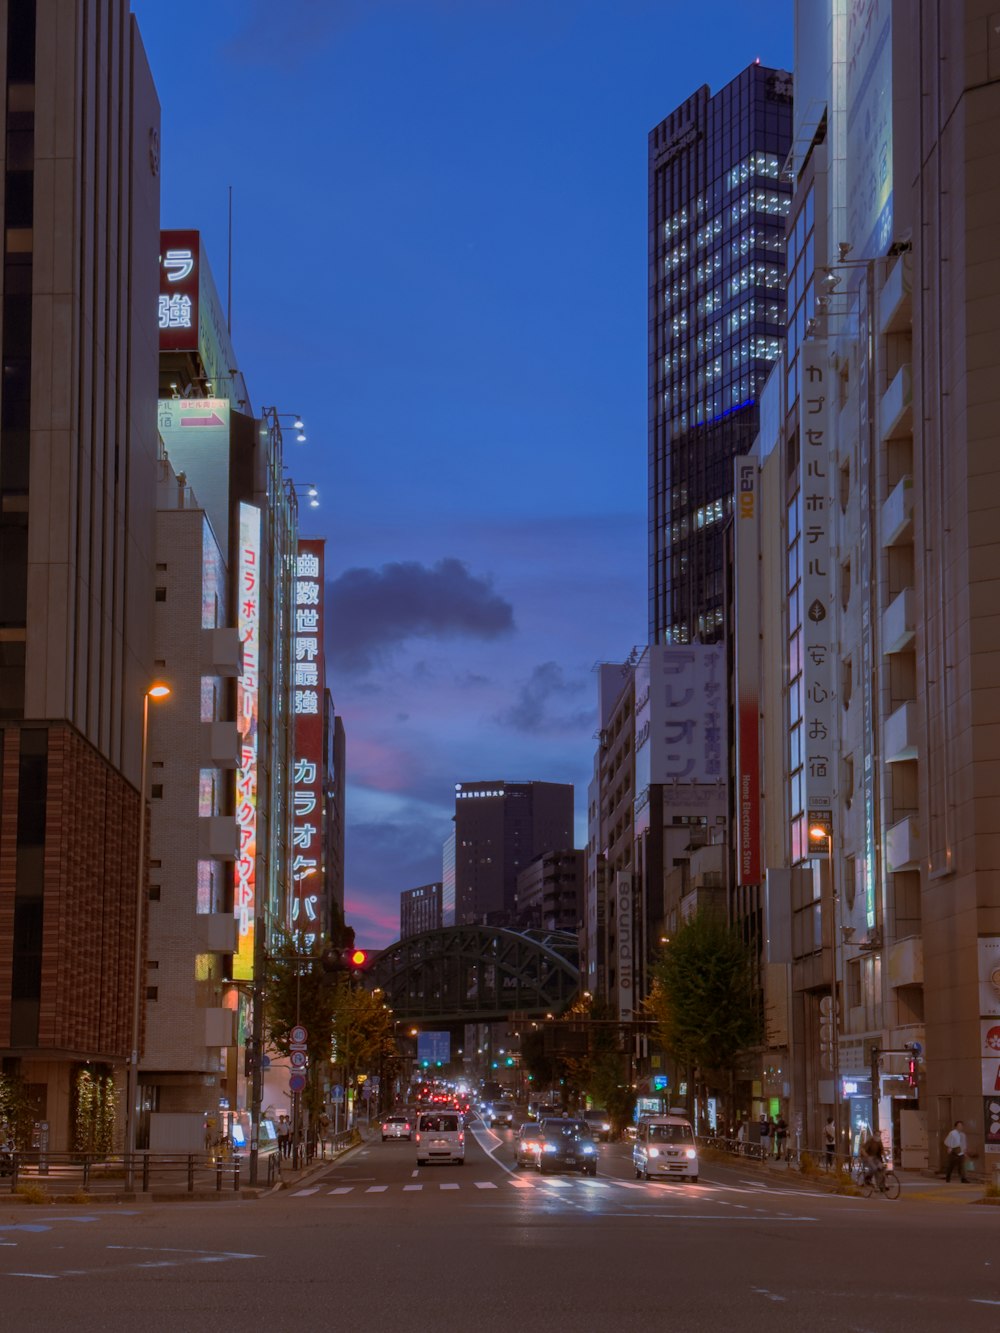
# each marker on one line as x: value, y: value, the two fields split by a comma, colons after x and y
x: 545, y: 702
x: 374, y: 610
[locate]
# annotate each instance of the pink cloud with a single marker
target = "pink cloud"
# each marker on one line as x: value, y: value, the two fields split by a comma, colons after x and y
x: 380, y: 766
x: 375, y: 926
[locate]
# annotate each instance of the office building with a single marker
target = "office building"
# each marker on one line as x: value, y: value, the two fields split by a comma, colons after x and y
x: 499, y: 828
x: 879, y: 500
x: 227, y: 627
x: 420, y: 910
x: 717, y: 207
x: 80, y: 125
x: 550, y: 892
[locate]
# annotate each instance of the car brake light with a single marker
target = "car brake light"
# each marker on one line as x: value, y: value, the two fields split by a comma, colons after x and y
x: 418, y: 1138
x: 407, y: 1128
x: 461, y: 1136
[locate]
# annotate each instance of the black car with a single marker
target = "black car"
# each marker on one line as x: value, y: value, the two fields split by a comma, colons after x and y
x: 562, y: 1147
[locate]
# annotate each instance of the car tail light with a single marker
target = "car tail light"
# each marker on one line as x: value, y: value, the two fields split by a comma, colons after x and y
x: 407, y: 1128
x: 461, y: 1136
x: 418, y: 1138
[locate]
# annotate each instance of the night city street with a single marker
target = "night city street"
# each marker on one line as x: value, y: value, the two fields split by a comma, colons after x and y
x: 373, y: 1241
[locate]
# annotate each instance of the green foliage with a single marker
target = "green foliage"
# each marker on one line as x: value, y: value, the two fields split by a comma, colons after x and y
x: 17, y: 1113
x: 703, y: 997
x: 95, y: 1103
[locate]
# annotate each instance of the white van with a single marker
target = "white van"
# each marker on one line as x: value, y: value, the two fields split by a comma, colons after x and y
x: 440, y: 1137
x: 665, y: 1146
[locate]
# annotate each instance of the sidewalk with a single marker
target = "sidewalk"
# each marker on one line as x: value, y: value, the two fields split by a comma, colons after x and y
x: 922, y: 1185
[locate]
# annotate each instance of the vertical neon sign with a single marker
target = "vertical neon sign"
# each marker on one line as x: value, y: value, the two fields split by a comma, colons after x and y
x: 307, y: 908
x: 248, y: 690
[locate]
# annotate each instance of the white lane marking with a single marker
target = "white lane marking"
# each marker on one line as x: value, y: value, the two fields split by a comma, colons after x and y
x: 485, y: 1185
x: 342, y: 1189
x: 595, y: 1184
x: 560, y: 1184
x: 415, y: 1173
x: 302, y: 1194
x: 520, y: 1183
x: 771, y: 1295
x: 413, y: 1187
x: 51, y: 1276
x: 979, y: 1300
x: 376, y: 1189
x: 449, y: 1187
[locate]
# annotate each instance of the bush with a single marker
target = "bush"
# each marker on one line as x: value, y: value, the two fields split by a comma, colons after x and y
x: 33, y: 1194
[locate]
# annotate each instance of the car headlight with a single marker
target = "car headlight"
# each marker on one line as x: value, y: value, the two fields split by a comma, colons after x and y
x: 654, y: 1152
x: 691, y: 1154
x: 588, y: 1147
x: 550, y: 1147
x: 606, y: 1127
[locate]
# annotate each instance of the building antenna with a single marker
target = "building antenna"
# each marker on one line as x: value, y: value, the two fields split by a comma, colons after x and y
x: 229, y: 275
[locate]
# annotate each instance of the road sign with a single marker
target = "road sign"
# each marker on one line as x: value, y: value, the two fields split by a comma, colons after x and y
x: 298, y: 1035
x: 265, y: 1062
x: 337, y: 1094
x: 299, y: 1059
x: 296, y: 1083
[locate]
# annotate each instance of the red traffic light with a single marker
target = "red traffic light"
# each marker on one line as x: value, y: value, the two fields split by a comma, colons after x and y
x: 357, y: 957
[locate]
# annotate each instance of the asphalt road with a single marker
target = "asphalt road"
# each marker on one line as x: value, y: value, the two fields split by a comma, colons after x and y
x: 374, y: 1242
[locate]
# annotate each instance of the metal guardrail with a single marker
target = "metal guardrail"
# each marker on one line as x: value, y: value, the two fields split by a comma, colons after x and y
x: 65, y: 1173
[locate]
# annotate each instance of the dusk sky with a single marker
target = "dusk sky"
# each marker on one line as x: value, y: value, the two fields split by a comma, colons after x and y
x: 439, y: 260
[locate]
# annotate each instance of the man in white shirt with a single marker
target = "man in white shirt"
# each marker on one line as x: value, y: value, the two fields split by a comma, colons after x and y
x: 956, y: 1143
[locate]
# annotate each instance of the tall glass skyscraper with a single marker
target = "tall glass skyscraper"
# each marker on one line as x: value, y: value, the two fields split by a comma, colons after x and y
x: 717, y: 207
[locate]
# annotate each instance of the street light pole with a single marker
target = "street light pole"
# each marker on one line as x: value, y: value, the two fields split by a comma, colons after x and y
x: 155, y: 691
x: 821, y: 833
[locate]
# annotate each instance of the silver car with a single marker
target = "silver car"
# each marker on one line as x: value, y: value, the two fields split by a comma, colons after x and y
x: 396, y: 1127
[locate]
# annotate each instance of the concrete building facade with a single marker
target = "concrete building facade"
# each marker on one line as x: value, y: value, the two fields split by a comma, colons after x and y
x: 79, y: 129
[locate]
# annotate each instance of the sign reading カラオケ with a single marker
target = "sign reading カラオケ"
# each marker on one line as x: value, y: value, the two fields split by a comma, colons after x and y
x: 309, y: 685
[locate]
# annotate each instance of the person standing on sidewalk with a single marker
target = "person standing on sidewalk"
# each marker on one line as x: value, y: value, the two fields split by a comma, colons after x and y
x: 780, y: 1137
x: 957, y: 1145
x: 830, y: 1140
x: 765, y: 1136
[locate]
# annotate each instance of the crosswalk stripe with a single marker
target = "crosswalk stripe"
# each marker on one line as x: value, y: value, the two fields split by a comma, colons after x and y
x: 449, y: 1187
x: 595, y: 1184
x: 485, y: 1185
x: 520, y: 1183
x: 413, y: 1187
x: 301, y: 1194
x: 376, y: 1189
x: 342, y: 1189
x: 560, y: 1184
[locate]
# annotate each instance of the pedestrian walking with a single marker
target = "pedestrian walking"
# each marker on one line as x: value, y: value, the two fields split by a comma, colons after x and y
x: 957, y: 1145
x: 284, y: 1136
x: 830, y: 1140
x: 780, y: 1137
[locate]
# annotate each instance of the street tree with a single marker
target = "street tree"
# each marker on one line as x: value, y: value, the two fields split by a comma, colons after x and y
x: 704, y: 1001
x: 298, y: 990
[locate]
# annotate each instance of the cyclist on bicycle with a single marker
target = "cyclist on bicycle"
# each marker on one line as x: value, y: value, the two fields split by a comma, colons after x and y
x: 873, y: 1158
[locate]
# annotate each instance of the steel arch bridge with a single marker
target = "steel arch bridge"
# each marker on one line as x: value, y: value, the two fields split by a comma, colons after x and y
x: 477, y: 974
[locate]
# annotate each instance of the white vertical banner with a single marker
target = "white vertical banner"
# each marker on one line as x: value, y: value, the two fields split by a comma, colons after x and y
x: 625, y: 959
x: 817, y: 578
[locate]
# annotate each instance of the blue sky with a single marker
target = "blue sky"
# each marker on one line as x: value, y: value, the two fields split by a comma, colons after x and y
x: 439, y: 260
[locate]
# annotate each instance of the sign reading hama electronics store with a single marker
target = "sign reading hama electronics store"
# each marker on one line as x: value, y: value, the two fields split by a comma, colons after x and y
x: 180, y: 279
x: 309, y: 685
x: 680, y: 714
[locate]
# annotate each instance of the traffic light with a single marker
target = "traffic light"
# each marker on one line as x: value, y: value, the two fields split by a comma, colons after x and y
x: 911, y: 1073
x: 345, y: 960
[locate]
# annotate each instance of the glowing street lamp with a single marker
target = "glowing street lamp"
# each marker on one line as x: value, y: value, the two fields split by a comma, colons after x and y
x: 157, y: 691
